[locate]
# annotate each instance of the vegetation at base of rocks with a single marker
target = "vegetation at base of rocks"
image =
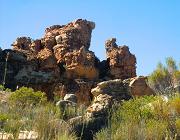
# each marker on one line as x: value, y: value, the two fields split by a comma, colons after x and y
x: 27, y: 96
x: 2, y: 88
x: 29, y: 110
x: 147, y: 117
x: 165, y: 79
x: 43, y: 119
x: 144, y: 118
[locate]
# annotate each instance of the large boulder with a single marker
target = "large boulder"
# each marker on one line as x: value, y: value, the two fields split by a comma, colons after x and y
x: 115, y: 88
x: 139, y: 87
x: 105, y: 95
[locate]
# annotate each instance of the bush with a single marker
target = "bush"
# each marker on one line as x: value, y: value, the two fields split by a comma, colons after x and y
x: 2, y: 88
x: 28, y: 110
x: 165, y: 78
x: 143, y: 118
x: 45, y: 119
x: 27, y: 96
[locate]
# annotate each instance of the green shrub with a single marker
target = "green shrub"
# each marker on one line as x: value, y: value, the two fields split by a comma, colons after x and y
x: 143, y: 118
x: 3, y: 117
x: 27, y: 96
x: 29, y: 110
x: 2, y: 88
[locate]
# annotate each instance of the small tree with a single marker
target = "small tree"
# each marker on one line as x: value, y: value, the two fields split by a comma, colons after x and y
x: 165, y: 78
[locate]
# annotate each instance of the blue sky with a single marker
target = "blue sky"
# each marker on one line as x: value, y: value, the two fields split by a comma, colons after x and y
x: 151, y: 28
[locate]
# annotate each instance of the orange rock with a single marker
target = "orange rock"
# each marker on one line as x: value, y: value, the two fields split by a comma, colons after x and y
x: 122, y: 63
x: 22, y: 43
x: 47, y: 59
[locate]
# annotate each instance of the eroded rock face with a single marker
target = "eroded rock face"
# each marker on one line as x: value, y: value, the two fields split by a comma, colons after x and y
x: 80, y: 88
x: 61, y: 63
x: 79, y: 64
x: 47, y: 60
x: 11, y: 62
x: 110, y: 92
x: 73, y: 41
x: 73, y: 35
x: 121, y: 62
x: 22, y: 43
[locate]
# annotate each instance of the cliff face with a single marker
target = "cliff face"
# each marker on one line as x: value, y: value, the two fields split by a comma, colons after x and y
x: 61, y: 63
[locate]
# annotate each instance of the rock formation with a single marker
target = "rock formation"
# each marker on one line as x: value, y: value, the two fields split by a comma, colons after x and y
x: 105, y: 95
x: 61, y: 63
x: 121, y: 62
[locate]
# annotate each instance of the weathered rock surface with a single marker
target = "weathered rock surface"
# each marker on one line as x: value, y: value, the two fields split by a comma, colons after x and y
x: 11, y: 62
x: 121, y: 62
x: 61, y: 63
x: 80, y: 88
x: 105, y: 95
x: 109, y: 92
x: 138, y: 87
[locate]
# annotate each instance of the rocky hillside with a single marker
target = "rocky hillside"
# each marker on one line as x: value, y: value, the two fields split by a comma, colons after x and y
x: 61, y: 65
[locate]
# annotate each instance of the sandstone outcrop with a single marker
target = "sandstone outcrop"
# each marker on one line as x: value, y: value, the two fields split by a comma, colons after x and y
x: 110, y: 92
x: 121, y: 62
x: 73, y: 42
x: 61, y: 63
